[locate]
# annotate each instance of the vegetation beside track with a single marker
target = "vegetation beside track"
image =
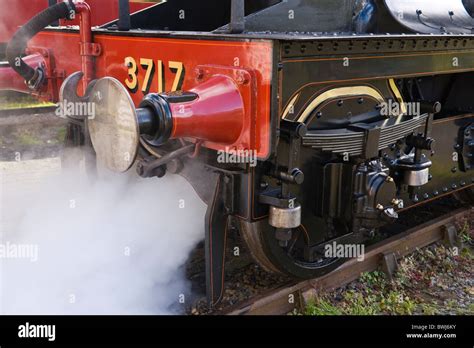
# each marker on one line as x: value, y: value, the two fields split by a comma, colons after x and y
x: 434, y: 280
x: 9, y: 101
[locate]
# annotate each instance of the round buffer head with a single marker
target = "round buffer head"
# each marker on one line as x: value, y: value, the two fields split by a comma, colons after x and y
x: 113, y: 129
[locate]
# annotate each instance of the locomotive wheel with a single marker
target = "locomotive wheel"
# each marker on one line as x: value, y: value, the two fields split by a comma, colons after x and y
x: 266, y: 250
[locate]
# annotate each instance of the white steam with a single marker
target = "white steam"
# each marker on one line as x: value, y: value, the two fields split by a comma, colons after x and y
x: 116, y: 246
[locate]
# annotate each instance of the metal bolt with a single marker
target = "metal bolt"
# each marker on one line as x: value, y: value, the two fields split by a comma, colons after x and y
x: 242, y: 79
x: 199, y: 74
x: 398, y: 203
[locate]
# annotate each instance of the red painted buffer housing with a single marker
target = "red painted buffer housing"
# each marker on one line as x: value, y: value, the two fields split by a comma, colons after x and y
x: 216, y: 115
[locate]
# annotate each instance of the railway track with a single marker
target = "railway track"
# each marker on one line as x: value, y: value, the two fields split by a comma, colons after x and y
x: 383, y: 254
x: 27, y: 111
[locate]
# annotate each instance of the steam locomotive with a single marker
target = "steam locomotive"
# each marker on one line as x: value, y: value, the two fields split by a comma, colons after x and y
x: 303, y: 122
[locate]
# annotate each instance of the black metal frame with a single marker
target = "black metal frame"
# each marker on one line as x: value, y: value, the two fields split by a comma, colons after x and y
x: 237, y: 17
x: 124, y: 22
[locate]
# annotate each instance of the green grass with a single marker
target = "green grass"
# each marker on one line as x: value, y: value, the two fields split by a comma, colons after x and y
x: 21, y: 102
x: 357, y: 303
x: 321, y: 306
x: 60, y: 135
x: 27, y: 139
x: 465, y: 235
x: 422, y: 285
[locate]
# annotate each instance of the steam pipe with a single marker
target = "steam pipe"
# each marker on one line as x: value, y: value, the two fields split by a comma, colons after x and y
x: 52, y: 3
x: 87, y: 57
x: 9, y: 78
x: 16, y: 47
x: 34, y: 76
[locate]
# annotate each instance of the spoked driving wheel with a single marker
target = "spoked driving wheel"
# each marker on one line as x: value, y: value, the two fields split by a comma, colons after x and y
x: 291, y: 259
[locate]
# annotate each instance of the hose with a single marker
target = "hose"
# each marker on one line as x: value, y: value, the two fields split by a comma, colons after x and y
x: 17, y: 45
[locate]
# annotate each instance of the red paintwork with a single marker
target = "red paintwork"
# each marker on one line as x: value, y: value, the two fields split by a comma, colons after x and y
x: 253, y: 56
x: 217, y: 115
x: 15, y: 13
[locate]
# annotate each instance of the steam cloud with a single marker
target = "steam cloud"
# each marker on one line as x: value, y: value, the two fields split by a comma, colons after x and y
x: 116, y: 246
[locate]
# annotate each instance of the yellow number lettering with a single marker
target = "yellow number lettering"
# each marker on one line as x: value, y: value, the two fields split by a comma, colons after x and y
x: 132, y: 80
x: 161, y: 77
x: 178, y: 68
x: 150, y: 67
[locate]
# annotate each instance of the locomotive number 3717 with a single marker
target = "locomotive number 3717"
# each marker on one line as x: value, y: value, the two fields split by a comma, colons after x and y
x: 150, y: 67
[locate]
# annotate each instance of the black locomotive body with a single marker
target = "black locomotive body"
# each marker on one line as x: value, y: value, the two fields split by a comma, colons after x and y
x: 372, y: 116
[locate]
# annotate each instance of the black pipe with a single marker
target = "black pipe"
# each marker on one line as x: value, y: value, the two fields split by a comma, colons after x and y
x: 17, y: 45
x: 52, y: 3
x: 147, y: 170
x: 124, y: 22
x: 237, y: 17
